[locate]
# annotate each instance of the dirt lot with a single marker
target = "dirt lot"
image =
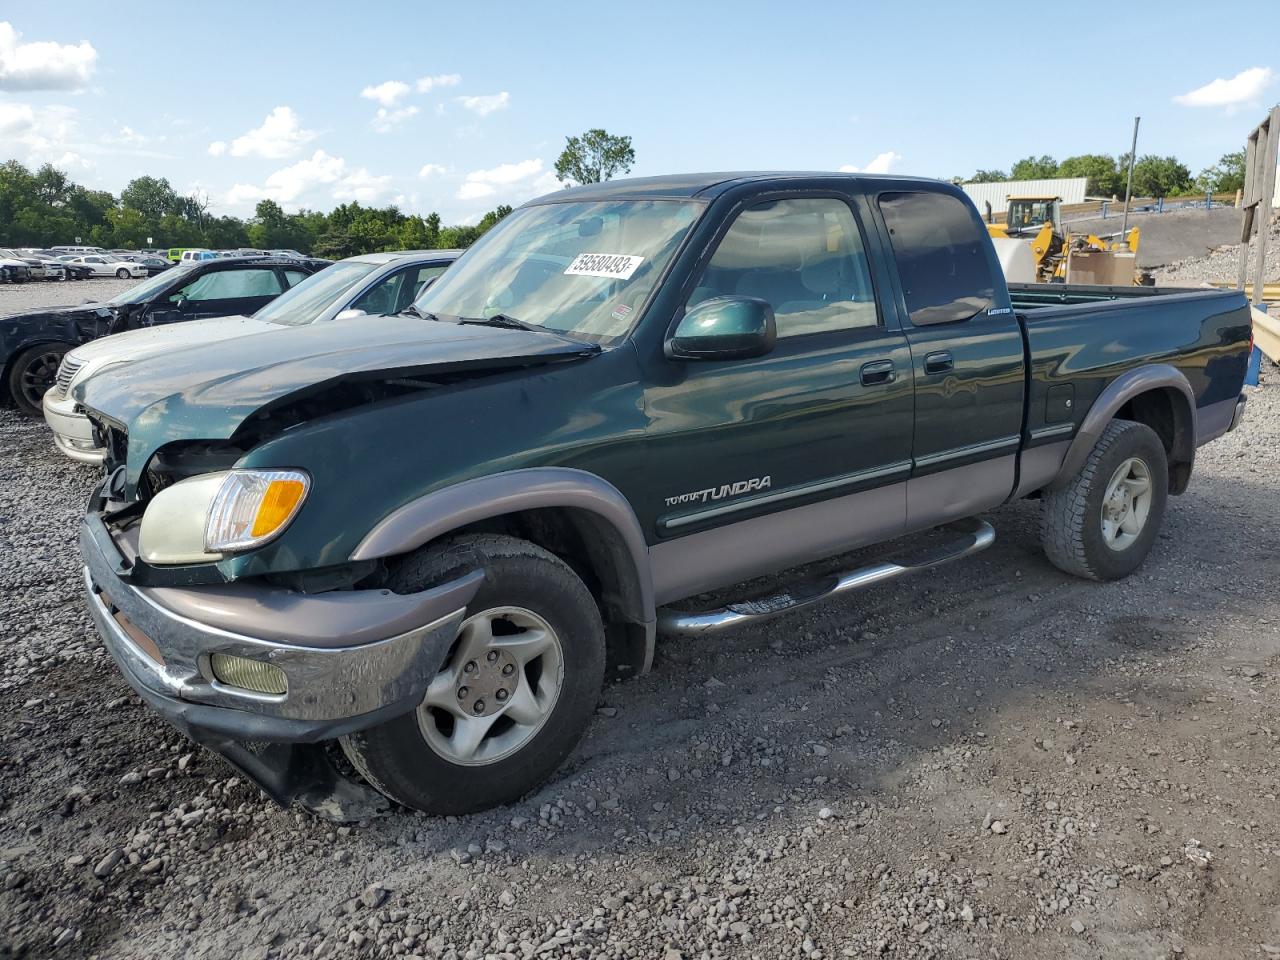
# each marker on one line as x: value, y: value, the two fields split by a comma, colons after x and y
x: 992, y: 760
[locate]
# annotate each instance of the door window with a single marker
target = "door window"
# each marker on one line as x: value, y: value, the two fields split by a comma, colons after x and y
x: 231, y: 285
x: 805, y: 257
x: 383, y: 296
x: 425, y: 274
x: 940, y: 247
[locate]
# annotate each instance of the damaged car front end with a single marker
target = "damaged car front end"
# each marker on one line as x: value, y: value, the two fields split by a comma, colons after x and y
x: 265, y: 667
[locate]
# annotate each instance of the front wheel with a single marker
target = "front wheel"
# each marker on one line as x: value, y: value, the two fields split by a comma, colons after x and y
x: 32, y: 374
x: 122, y: 273
x: 1102, y: 524
x: 514, y: 694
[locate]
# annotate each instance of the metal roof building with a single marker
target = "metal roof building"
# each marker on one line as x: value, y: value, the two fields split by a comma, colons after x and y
x: 1070, y: 189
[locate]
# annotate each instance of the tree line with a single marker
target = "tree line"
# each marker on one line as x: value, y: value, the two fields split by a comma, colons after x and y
x: 1153, y: 176
x: 45, y: 207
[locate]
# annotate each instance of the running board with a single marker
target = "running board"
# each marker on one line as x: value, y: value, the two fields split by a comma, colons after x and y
x: 972, y: 536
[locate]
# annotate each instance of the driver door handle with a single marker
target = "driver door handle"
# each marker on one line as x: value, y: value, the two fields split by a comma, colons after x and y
x: 877, y: 371
x: 940, y: 362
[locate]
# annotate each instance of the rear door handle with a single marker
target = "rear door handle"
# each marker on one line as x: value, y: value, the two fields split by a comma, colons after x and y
x: 877, y: 371
x: 940, y: 362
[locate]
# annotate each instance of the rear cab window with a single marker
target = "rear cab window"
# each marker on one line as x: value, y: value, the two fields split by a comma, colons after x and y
x: 940, y: 247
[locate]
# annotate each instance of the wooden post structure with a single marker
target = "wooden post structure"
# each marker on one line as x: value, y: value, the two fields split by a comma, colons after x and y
x: 1260, y: 158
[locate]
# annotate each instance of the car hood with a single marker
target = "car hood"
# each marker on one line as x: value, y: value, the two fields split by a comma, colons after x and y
x: 207, y: 392
x: 145, y: 342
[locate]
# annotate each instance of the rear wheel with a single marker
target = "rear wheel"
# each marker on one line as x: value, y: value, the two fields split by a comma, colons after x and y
x: 1102, y: 524
x: 513, y: 696
x: 32, y: 374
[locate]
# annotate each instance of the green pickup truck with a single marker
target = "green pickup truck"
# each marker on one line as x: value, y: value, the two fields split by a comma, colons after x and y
x: 430, y: 538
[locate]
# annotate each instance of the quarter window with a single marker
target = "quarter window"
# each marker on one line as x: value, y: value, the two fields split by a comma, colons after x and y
x: 805, y: 257
x: 940, y: 247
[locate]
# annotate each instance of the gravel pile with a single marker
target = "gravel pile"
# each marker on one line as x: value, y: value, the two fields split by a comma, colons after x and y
x: 1223, y: 264
x: 991, y: 760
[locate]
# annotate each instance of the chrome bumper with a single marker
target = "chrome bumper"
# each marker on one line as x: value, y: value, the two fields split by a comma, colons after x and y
x: 72, y: 431
x: 333, y: 687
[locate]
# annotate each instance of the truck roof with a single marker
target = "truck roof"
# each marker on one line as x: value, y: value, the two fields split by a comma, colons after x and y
x: 707, y: 185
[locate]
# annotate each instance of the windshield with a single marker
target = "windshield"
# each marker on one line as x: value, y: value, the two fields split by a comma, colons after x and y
x: 145, y: 290
x: 583, y: 268
x: 306, y: 301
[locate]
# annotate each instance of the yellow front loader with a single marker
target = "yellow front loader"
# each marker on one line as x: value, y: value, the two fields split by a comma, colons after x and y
x: 1061, y: 257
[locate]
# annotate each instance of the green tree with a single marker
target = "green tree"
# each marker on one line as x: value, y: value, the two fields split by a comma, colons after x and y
x: 151, y: 197
x: 491, y: 218
x: 594, y: 157
x: 1224, y: 177
x: 1160, y: 177
x: 1106, y: 179
x: 1034, y: 168
x: 989, y: 176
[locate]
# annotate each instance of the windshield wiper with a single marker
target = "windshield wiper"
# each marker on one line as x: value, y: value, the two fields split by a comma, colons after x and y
x: 413, y: 311
x: 514, y: 323
x: 501, y: 320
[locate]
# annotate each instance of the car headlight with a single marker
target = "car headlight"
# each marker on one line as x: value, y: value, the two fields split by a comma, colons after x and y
x: 206, y: 517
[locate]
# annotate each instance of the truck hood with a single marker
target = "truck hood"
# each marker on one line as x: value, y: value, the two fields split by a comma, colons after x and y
x: 145, y: 342
x: 207, y: 391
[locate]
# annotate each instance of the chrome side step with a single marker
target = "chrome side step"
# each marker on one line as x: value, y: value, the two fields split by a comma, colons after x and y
x: 972, y: 536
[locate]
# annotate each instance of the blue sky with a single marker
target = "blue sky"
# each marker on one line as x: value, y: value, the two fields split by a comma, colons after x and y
x: 457, y: 108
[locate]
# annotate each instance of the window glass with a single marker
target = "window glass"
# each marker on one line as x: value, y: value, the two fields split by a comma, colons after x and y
x: 941, y: 250
x: 306, y: 301
x: 383, y: 296
x: 294, y: 277
x: 804, y: 257
x: 231, y: 285
x: 584, y: 267
x: 425, y: 274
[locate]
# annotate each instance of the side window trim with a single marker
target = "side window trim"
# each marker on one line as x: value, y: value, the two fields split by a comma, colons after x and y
x: 870, y: 251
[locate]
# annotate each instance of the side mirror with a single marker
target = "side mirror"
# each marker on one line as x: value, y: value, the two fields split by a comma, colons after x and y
x: 349, y: 314
x: 724, y: 328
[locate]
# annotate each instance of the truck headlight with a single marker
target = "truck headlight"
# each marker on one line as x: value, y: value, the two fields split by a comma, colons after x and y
x: 203, y: 518
x: 253, y: 507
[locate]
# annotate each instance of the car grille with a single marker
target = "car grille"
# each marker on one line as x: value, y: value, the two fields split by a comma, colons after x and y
x: 66, y: 373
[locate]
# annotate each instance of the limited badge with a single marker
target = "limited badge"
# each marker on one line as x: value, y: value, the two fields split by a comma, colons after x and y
x: 612, y: 266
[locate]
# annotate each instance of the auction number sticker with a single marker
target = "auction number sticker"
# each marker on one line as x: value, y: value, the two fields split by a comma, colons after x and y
x: 612, y: 266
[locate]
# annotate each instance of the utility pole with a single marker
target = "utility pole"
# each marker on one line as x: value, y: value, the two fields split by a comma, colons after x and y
x: 1128, y: 190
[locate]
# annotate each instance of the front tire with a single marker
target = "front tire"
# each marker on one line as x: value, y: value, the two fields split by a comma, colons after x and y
x: 122, y: 274
x: 32, y: 374
x: 514, y: 694
x: 1101, y: 526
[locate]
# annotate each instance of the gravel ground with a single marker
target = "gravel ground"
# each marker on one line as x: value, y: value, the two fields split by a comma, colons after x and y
x: 1172, y: 236
x: 19, y: 297
x: 1222, y: 264
x: 990, y: 760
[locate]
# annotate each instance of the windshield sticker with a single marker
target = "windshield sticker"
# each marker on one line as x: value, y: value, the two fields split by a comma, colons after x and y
x: 612, y: 266
x: 621, y: 312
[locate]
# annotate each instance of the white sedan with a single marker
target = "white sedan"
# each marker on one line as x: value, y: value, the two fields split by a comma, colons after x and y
x: 105, y: 265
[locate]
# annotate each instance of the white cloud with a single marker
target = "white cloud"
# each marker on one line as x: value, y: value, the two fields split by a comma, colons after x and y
x: 15, y: 117
x: 1244, y: 88
x: 386, y: 120
x: 485, y: 183
x: 298, y: 180
x: 280, y: 136
x: 70, y: 160
x: 881, y: 163
x: 386, y: 93
x: 129, y: 135
x: 431, y: 170
x: 362, y: 186
x: 426, y: 84
x: 485, y: 105
x: 43, y: 65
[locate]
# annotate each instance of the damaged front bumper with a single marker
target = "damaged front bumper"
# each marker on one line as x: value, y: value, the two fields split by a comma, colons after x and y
x: 351, y: 659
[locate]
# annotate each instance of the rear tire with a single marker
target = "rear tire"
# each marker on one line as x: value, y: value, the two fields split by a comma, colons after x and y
x: 1101, y: 526
x: 32, y: 374
x: 513, y: 696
